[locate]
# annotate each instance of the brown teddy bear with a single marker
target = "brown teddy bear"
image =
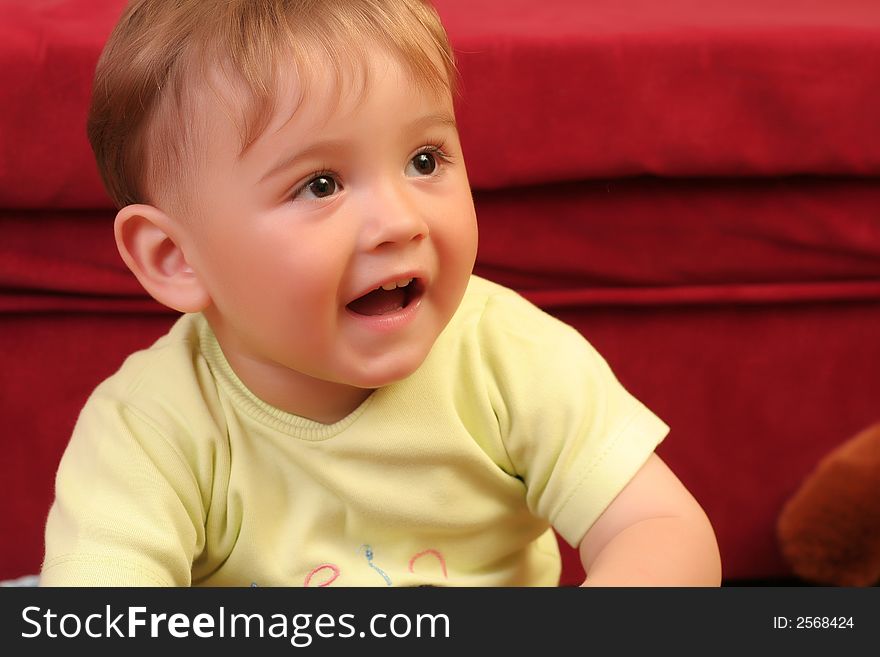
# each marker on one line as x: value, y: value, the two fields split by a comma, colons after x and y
x: 829, y: 530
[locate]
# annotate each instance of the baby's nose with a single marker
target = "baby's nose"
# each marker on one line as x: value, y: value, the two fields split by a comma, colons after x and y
x: 391, y: 217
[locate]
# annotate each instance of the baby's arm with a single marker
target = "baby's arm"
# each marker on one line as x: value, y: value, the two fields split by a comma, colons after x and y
x: 128, y: 510
x: 654, y: 533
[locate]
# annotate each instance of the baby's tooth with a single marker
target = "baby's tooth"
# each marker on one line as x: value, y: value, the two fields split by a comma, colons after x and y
x: 402, y: 283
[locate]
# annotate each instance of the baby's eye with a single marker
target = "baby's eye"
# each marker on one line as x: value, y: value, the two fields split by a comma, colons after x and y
x: 321, y: 186
x: 423, y: 164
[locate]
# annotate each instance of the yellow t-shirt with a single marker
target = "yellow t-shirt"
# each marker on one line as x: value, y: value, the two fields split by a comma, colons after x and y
x: 177, y: 474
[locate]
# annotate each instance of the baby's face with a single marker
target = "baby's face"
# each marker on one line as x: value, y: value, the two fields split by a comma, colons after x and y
x: 338, y: 246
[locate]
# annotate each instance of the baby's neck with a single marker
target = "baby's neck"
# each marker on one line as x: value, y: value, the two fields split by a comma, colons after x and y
x: 325, y: 402
x: 321, y: 401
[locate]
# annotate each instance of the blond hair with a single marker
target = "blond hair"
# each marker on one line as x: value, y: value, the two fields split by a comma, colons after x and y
x: 143, y: 119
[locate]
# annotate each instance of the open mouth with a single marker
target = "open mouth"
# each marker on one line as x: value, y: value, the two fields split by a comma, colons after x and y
x: 388, y: 298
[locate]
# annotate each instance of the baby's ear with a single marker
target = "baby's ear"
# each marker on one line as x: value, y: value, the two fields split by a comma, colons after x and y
x: 149, y: 242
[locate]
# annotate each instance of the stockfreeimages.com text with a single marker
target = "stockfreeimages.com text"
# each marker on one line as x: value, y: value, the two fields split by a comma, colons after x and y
x: 300, y: 629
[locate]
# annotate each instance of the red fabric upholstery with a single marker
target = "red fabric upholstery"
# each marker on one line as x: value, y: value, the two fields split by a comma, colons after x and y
x: 553, y: 90
x: 692, y: 184
x: 572, y: 89
x: 621, y: 242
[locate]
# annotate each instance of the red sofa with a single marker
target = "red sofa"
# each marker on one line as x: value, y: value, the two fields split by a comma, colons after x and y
x: 693, y: 184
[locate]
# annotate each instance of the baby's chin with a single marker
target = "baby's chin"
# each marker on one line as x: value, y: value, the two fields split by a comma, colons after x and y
x: 376, y: 381
x: 389, y: 372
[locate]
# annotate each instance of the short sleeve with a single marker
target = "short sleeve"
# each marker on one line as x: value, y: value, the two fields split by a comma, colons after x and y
x: 574, y: 434
x: 127, y: 510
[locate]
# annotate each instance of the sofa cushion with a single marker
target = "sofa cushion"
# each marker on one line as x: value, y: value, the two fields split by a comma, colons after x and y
x: 572, y: 89
x: 553, y: 90
x: 652, y: 241
x: 633, y: 242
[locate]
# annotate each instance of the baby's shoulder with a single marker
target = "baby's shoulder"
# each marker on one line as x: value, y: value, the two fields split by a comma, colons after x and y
x: 495, y: 311
x: 507, y: 338
x: 162, y: 363
x: 165, y: 384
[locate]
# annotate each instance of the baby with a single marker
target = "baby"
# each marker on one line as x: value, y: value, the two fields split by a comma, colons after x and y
x: 342, y: 402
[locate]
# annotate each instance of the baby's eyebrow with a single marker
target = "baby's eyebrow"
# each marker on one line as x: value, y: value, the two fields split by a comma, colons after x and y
x: 426, y: 121
x: 415, y: 126
x: 312, y: 150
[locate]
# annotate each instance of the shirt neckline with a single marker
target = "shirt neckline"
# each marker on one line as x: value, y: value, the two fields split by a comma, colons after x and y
x: 261, y: 411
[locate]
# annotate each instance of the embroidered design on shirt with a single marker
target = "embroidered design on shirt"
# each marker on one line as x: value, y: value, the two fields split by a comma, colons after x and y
x: 368, y: 552
x: 434, y: 553
x: 334, y: 570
